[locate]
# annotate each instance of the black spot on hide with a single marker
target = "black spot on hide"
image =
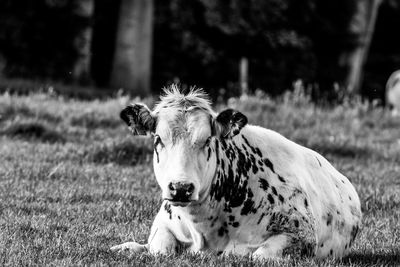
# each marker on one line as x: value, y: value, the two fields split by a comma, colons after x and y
x: 271, y: 199
x: 329, y: 218
x: 306, y: 203
x: 269, y: 164
x: 222, y: 230
x: 208, y: 153
x: 217, y: 151
x: 260, y: 219
x: 167, y: 208
x: 263, y: 184
x: 258, y: 152
x: 255, y: 169
x: 274, y: 190
x: 248, y: 205
x: 255, y: 150
x: 222, y: 164
x: 157, y: 156
x: 319, y: 162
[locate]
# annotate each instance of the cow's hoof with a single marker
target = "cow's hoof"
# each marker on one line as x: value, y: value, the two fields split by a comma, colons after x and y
x: 132, y: 247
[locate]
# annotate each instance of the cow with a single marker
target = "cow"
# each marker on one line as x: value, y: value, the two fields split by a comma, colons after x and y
x: 231, y: 187
x: 393, y: 92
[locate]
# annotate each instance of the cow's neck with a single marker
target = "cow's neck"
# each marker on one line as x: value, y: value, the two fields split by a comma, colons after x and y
x: 235, y: 164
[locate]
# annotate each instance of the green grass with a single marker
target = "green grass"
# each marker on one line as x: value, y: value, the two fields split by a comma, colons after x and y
x: 74, y: 182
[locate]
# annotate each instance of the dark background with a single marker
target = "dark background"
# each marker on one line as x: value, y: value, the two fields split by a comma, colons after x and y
x: 200, y: 42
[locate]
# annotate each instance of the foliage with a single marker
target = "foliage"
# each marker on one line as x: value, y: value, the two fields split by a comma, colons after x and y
x: 214, y: 35
x: 201, y: 42
x: 66, y: 202
x: 36, y: 37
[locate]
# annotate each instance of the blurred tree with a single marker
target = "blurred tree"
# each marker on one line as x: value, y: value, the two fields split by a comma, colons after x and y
x: 211, y: 37
x: 37, y: 38
x: 384, y: 55
x: 361, y: 27
x: 83, y: 41
x: 341, y: 43
x: 133, y: 51
x: 202, y: 42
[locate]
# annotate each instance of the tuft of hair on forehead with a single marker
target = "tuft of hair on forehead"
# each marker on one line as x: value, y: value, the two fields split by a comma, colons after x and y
x: 174, y: 97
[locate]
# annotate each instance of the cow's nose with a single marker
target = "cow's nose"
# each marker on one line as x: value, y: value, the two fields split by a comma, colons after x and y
x: 181, y: 192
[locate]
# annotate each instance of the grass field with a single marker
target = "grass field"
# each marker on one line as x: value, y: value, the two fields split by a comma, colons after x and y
x: 74, y: 182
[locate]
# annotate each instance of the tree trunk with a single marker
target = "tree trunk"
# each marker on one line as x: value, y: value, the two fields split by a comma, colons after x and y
x: 132, y: 59
x: 362, y: 25
x: 244, y: 75
x: 83, y: 41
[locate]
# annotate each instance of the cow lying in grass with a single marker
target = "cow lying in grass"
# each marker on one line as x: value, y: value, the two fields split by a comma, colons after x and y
x: 231, y: 187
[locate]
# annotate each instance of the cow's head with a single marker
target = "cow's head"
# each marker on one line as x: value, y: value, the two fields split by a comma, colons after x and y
x: 184, y: 129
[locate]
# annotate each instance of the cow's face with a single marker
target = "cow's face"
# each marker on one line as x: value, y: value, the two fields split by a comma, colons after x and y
x: 184, y: 147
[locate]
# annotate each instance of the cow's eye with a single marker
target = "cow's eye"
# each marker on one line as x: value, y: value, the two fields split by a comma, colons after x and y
x: 157, y: 140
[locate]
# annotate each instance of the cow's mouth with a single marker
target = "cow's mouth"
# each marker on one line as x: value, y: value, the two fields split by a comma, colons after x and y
x: 178, y: 203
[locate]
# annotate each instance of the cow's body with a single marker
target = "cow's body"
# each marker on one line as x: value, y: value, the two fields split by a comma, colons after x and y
x: 267, y: 196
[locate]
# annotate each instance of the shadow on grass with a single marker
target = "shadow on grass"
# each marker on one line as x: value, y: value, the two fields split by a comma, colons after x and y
x: 11, y: 112
x: 33, y: 130
x: 92, y: 120
x: 127, y: 152
x: 391, y: 258
x: 341, y: 150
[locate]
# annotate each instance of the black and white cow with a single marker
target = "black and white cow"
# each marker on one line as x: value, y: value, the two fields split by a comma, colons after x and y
x: 236, y: 188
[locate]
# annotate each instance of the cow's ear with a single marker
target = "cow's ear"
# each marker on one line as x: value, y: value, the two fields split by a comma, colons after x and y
x: 139, y: 119
x: 228, y: 123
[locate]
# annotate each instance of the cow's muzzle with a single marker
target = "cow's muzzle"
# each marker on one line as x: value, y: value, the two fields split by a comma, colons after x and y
x: 181, y: 193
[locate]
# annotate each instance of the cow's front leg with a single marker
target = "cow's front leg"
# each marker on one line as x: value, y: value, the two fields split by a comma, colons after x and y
x: 161, y: 240
x: 132, y: 247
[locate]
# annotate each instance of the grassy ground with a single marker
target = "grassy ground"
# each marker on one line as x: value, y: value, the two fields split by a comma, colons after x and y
x: 73, y: 182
